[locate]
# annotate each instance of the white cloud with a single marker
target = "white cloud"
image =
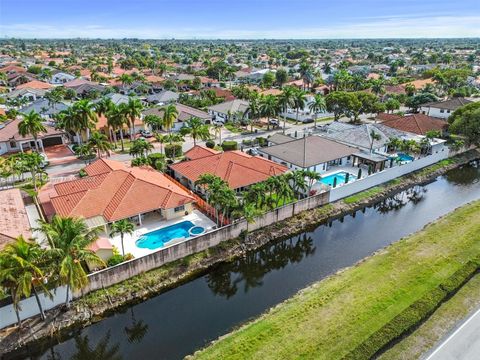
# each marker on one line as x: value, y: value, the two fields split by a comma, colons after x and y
x: 383, y: 27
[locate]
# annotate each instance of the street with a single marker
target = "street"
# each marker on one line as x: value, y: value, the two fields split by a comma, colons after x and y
x: 462, y: 344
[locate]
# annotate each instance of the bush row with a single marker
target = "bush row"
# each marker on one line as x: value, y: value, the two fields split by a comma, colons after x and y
x: 415, y: 314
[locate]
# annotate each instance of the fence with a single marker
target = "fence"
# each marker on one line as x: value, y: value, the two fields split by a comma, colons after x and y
x: 385, y: 175
x: 126, y: 270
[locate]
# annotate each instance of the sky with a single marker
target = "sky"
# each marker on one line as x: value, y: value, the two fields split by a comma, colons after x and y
x: 240, y: 19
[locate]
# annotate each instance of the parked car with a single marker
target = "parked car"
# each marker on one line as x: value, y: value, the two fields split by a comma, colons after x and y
x: 274, y: 122
x: 146, y: 133
x: 252, y: 151
x: 45, y: 161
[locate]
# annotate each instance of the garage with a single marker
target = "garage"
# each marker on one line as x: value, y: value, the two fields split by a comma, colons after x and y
x: 51, y: 141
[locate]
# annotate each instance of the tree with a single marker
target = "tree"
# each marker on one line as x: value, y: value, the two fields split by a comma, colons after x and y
x: 140, y: 147
x: 33, y: 162
x: 133, y: 110
x: 68, y: 239
x: 373, y: 137
x: 416, y: 101
x: 249, y: 212
x: 392, y: 104
x: 281, y: 77
x: 297, y: 179
x: 122, y: 227
x: 196, y: 129
x: 318, y: 105
x: 269, y: 107
x: 99, y: 143
x: 21, y: 263
x: 125, y: 79
x: 170, y: 114
x: 253, y: 111
x: 84, y: 115
x: 31, y: 124
x: 299, y: 101
x: 285, y: 101
x: 465, y: 121
x: 268, y: 79
x: 338, y: 102
x: 154, y: 121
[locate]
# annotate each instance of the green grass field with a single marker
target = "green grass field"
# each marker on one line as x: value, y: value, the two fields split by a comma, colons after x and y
x: 331, y: 318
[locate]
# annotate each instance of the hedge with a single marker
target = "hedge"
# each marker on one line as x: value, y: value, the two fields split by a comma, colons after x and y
x: 173, y: 150
x: 229, y: 145
x: 210, y: 144
x: 413, y: 315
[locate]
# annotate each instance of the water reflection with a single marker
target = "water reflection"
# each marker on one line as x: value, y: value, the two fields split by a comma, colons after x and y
x: 137, y: 330
x: 468, y: 175
x: 398, y: 201
x: 251, y: 269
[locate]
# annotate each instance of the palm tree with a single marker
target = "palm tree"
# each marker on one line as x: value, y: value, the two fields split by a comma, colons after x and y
x: 373, y: 137
x: 253, y: 110
x: 161, y: 139
x: 217, y: 131
x: 85, y: 115
x: 196, y: 129
x: 327, y: 68
x: 31, y: 124
x: 286, y: 101
x: 33, y: 162
x: 154, y: 121
x: 299, y: 100
x: 23, y: 260
x: 68, y: 239
x: 170, y: 114
x: 133, y: 111
x: 122, y: 227
x: 141, y: 148
x: 318, y: 105
x: 269, y: 107
x: 125, y: 79
x: 249, y: 212
x: 313, y: 177
x: 297, y: 179
x: 99, y: 143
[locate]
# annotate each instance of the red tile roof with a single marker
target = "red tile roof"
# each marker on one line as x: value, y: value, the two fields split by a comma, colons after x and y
x: 10, y: 131
x: 35, y: 84
x: 114, y: 191
x: 13, y: 217
x: 416, y: 124
x: 199, y: 151
x: 235, y: 167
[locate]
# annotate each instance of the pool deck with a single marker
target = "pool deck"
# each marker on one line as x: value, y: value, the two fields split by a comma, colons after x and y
x: 154, y: 223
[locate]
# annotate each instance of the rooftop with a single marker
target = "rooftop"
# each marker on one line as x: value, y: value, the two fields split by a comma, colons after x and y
x: 418, y: 124
x: 235, y: 167
x: 13, y: 217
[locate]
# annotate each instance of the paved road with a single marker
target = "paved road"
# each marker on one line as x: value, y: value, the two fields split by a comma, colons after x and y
x: 462, y: 344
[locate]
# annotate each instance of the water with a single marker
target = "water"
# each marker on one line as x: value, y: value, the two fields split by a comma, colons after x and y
x: 156, y: 239
x: 184, y: 319
x: 340, y: 177
x: 404, y: 157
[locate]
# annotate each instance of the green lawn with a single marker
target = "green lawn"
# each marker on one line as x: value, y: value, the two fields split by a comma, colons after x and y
x: 362, y: 195
x: 334, y: 316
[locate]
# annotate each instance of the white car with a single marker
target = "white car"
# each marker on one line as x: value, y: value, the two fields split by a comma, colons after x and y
x: 45, y: 161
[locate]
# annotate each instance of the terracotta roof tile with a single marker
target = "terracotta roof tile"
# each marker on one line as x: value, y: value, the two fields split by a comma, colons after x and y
x: 417, y: 124
x: 235, y: 167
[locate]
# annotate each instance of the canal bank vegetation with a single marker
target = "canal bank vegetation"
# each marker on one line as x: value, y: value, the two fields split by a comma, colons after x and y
x: 94, y: 306
x: 357, y: 312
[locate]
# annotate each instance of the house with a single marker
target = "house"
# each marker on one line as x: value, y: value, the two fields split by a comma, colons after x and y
x: 44, y: 107
x: 26, y: 93
x: 419, y: 124
x: 278, y: 138
x: 163, y: 97
x: 35, y: 84
x: 113, y: 191
x: 13, y: 217
x: 184, y: 113
x: 238, y: 169
x: 309, y: 153
x: 224, y: 111
x: 16, y: 79
x: 199, y: 151
x: 60, y: 78
x: 443, y: 109
x: 358, y: 136
x: 12, y: 141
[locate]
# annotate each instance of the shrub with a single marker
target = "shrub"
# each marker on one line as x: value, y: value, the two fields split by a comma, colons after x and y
x: 229, y: 145
x: 262, y: 141
x: 210, y: 144
x: 82, y: 173
x: 247, y: 142
x: 157, y: 161
x: 115, y: 260
x: 173, y: 150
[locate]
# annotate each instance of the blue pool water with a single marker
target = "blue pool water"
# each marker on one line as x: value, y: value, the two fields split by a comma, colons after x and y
x: 404, y: 157
x: 157, y: 239
x: 340, y: 176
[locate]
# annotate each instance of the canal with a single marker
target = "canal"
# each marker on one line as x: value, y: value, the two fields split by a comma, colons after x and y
x: 180, y: 321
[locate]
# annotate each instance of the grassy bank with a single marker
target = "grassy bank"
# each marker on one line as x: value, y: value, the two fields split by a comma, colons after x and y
x: 465, y: 301
x: 344, y: 315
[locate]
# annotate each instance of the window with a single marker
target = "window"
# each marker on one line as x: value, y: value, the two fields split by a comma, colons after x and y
x: 442, y: 111
x: 13, y: 144
x: 179, y: 208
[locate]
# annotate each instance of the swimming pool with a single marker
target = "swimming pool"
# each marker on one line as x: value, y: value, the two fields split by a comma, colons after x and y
x: 404, y: 157
x: 340, y: 176
x: 157, y: 238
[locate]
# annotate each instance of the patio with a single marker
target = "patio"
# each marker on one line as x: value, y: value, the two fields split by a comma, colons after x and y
x: 154, y: 221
